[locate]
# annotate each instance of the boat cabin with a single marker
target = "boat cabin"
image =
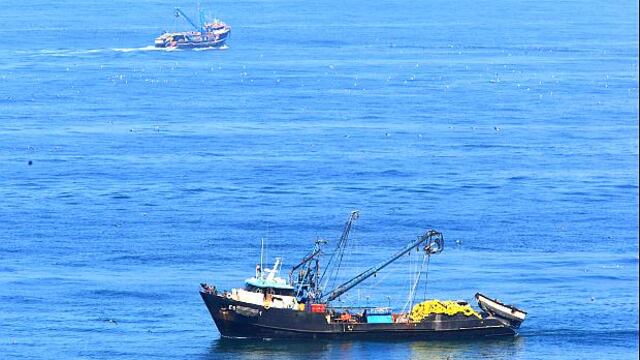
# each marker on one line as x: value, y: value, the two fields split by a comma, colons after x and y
x: 267, y: 289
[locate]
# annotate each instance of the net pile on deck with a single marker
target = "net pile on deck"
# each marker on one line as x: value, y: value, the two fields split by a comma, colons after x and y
x: 448, y: 307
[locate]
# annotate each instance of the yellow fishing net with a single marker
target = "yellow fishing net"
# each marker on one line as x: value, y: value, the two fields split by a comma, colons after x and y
x: 448, y: 307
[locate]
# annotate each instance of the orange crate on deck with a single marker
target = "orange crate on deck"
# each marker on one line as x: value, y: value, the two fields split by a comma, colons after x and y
x: 318, y: 308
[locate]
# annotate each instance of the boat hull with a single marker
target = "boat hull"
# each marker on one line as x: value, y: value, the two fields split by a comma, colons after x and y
x: 243, y: 320
x: 192, y: 44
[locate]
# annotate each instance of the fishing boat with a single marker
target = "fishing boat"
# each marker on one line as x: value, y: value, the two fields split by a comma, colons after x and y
x: 212, y: 34
x: 301, y: 305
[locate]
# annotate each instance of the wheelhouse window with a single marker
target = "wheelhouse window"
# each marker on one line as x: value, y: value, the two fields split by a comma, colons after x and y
x: 252, y: 288
x: 273, y: 291
x: 283, y: 292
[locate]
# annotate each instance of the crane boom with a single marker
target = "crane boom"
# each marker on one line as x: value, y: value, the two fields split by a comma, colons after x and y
x: 434, y: 244
x: 306, y: 259
x: 181, y: 13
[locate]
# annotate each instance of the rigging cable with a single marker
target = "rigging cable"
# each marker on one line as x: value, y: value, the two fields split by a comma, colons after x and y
x: 339, y: 250
x: 426, y: 279
x: 412, y: 291
x: 346, y: 246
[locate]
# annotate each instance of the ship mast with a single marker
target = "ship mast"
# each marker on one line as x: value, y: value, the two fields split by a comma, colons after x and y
x: 335, y: 261
x: 307, y: 282
x: 434, y: 243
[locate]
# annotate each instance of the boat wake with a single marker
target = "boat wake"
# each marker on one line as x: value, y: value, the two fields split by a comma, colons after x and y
x: 60, y: 52
x: 81, y: 52
x: 223, y: 47
x: 89, y: 52
x: 142, y: 49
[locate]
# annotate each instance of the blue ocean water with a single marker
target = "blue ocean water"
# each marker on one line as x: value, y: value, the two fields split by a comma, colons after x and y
x: 510, y: 126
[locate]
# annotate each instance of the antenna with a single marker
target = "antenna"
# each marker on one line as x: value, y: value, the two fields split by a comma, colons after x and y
x: 261, y: 251
x: 199, y: 12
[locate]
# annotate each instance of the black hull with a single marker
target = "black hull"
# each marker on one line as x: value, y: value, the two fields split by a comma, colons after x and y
x: 242, y: 320
x: 193, y: 45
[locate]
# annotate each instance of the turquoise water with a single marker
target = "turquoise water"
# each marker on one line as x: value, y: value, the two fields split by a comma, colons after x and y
x: 512, y: 127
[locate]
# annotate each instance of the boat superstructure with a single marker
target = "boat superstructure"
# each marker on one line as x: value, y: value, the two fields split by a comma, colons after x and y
x: 302, y: 305
x: 267, y: 289
x: 205, y: 34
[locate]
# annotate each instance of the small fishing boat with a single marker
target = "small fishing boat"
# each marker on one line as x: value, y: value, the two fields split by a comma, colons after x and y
x: 301, y: 306
x: 496, y: 308
x: 212, y: 34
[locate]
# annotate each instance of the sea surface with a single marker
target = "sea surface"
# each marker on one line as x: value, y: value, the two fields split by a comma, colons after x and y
x: 128, y: 175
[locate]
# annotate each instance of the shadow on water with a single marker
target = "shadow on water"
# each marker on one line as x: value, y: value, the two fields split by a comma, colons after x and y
x: 370, y: 349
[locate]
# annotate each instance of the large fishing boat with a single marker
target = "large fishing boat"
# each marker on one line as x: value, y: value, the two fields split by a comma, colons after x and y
x: 270, y: 306
x: 205, y: 34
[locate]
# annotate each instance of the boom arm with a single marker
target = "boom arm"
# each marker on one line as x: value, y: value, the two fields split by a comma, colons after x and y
x: 306, y: 259
x: 434, y: 244
x: 180, y: 13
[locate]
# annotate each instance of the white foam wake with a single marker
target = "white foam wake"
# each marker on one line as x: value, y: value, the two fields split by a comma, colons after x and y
x: 80, y: 52
x: 142, y: 49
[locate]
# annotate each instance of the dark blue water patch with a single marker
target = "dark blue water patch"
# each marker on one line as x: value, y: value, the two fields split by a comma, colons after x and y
x: 73, y: 263
x: 331, y: 349
x: 123, y: 294
x: 414, y: 190
x: 141, y: 259
x: 108, y: 354
x: 490, y: 146
x: 626, y: 186
x: 31, y: 186
x: 194, y: 190
x: 562, y: 280
x: 480, y: 186
x: 524, y: 48
x: 606, y: 278
x: 55, y: 160
x: 66, y: 195
x: 630, y: 261
x: 275, y: 191
x: 194, y: 221
x: 119, y: 196
x: 10, y: 251
x: 210, y: 154
x: 6, y: 268
x: 394, y: 173
x: 620, y: 338
x: 23, y: 300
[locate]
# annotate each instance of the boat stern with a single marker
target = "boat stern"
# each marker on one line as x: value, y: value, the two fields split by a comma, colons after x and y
x: 509, y: 314
x: 161, y: 41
